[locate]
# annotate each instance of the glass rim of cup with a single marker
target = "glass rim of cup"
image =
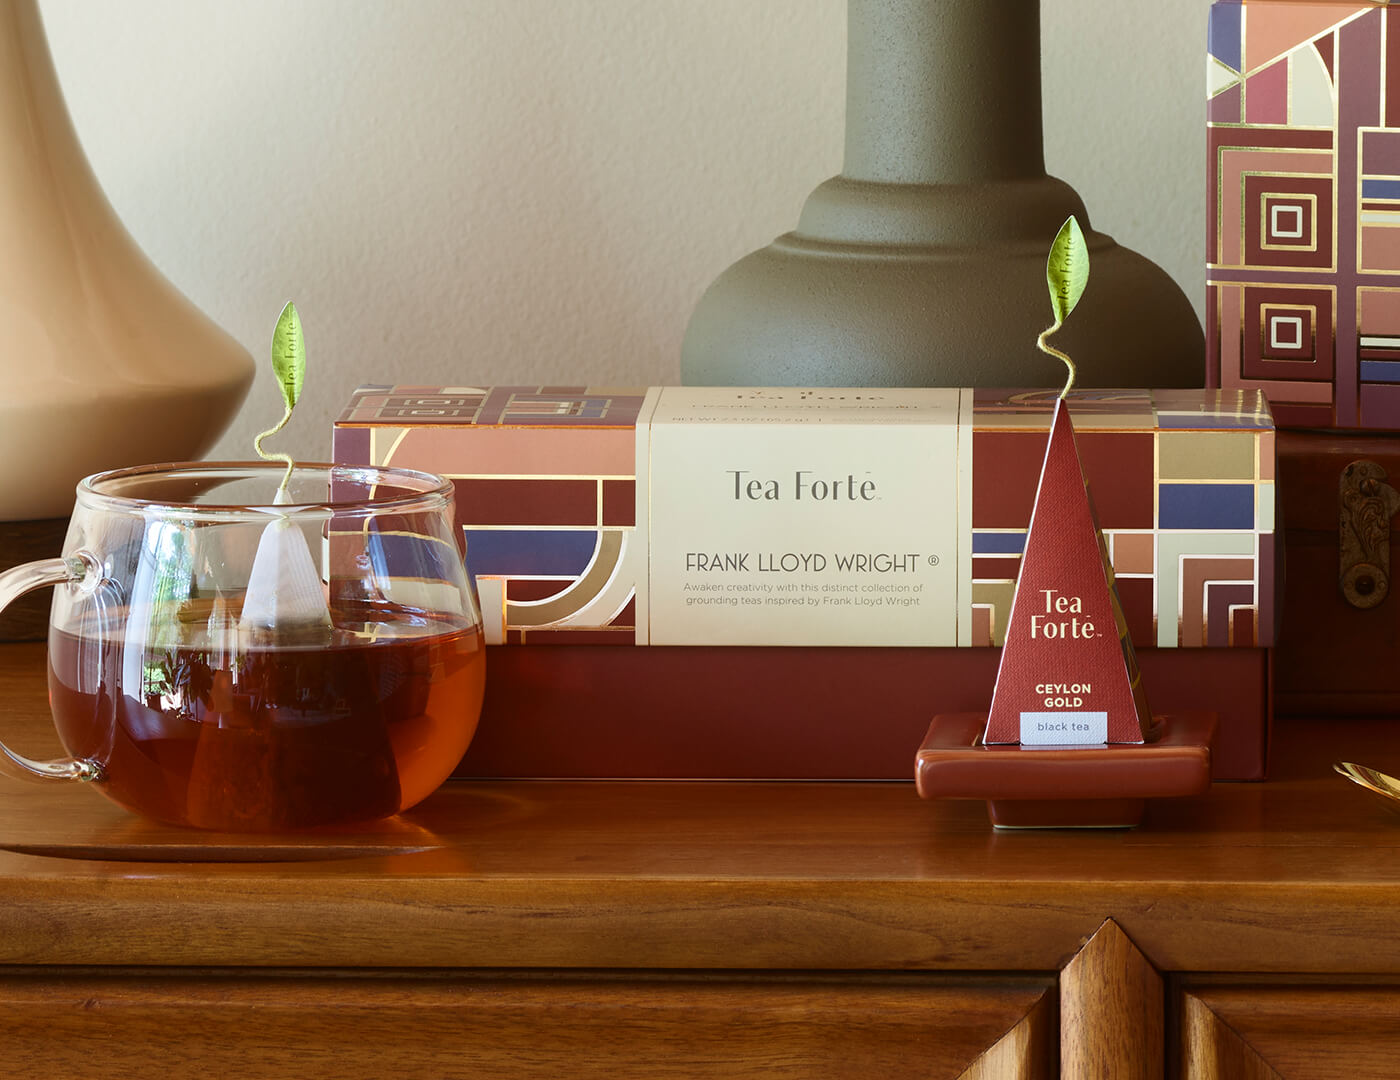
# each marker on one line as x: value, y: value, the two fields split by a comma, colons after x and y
x: 435, y: 492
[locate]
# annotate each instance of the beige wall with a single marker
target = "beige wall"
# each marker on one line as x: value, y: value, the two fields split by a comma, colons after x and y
x: 538, y: 190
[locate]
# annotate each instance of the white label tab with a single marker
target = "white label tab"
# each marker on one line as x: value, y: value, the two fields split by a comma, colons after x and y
x: 1064, y: 728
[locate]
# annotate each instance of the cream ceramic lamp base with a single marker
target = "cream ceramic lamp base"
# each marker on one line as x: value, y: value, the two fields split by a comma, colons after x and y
x: 103, y: 361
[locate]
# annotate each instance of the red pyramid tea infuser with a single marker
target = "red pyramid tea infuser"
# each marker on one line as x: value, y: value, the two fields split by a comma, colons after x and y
x: 1068, y: 674
x: 1069, y: 740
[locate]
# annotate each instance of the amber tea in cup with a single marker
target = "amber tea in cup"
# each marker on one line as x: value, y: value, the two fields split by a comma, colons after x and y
x: 250, y: 666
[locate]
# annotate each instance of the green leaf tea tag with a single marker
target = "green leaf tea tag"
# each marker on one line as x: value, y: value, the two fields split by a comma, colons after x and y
x: 289, y: 365
x: 289, y: 355
x: 1067, y: 269
x: 284, y: 591
x: 1067, y: 274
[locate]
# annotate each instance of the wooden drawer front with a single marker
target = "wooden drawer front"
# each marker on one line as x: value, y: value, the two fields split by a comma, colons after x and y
x: 1290, y: 1032
x: 215, y: 1026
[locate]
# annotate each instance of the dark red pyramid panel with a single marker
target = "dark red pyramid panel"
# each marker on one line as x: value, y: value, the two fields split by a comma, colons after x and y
x: 1068, y: 673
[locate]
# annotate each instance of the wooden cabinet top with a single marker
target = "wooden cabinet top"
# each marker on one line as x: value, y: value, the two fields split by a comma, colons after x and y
x: 1299, y: 874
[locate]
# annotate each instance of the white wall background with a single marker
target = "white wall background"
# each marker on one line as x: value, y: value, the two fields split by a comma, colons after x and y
x: 479, y: 191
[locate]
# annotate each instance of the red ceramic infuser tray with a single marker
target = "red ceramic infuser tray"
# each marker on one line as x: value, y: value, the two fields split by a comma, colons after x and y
x: 1064, y: 786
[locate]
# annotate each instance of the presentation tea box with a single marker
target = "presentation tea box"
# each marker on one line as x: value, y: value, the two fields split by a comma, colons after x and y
x: 815, y: 572
x: 828, y: 517
x: 1303, y: 208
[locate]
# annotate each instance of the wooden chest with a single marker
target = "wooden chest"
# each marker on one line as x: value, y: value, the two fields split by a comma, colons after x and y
x: 1338, y: 647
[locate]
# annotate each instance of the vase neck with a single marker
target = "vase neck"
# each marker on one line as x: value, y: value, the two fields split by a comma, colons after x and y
x: 37, y: 142
x: 943, y: 91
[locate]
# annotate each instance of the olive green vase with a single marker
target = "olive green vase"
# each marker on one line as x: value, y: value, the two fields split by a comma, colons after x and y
x: 923, y: 262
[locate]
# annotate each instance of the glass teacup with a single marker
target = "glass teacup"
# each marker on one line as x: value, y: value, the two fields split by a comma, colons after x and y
x: 222, y: 658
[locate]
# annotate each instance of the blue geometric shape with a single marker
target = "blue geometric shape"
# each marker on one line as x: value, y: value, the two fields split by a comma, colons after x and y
x: 1205, y: 506
x: 396, y: 556
x: 985, y: 543
x: 1387, y: 371
x: 548, y: 552
x: 1223, y: 39
x: 1380, y: 189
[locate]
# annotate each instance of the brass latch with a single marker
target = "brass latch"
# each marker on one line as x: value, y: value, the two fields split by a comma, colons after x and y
x: 1367, y: 504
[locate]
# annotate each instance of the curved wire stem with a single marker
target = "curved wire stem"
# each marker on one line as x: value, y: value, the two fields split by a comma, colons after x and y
x: 267, y: 456
x: 1050, y: 350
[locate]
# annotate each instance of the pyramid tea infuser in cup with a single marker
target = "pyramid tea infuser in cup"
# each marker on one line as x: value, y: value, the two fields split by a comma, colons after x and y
x: 259, y: 646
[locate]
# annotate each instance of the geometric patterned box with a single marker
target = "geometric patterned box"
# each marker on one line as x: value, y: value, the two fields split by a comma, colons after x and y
x: 1303, y: 251
x: 546, y: 493
x: 553, y: 516
x: 1183, y: 486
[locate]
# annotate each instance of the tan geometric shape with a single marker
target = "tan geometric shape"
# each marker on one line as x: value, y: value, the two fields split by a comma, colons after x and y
x: 592, y: 582
x: 981, y: 624
x: 1379, y: 311
x: 1205, y: 455
x: 997, y: 596
x: 1133, y: 553
x: 1380, y: 247
x: 1286, y: 26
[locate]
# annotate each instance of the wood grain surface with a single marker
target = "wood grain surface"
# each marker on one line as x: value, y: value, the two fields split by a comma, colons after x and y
x: 1212, y: 1050
x: 1026, y: 1052
x: 27, y: 619
x: 1301, y: 874
x: 1111, y: 1012
x: 464, y: 1025
x: 1290, y: 1032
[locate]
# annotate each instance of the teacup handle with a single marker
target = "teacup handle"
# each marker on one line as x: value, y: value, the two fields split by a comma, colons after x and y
x: 84, y: 570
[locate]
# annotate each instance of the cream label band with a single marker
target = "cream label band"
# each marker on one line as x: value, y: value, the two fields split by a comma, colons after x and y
x: 800, y: 517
